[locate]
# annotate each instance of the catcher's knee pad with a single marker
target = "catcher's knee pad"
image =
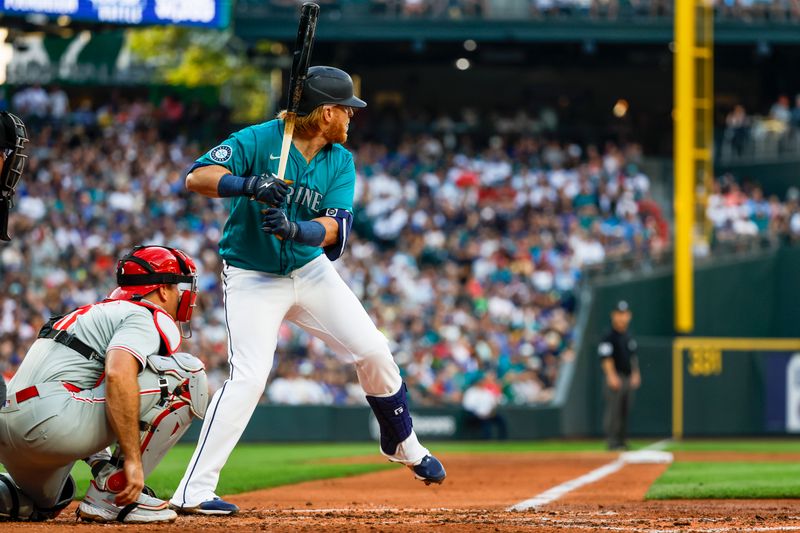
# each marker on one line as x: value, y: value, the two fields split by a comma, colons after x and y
x: 175, y: 389
x: 393, y: 418
x: 67, y: 494
x: 16, y: 505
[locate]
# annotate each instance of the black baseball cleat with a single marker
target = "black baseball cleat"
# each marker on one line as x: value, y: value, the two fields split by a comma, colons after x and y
x: 429, y: 470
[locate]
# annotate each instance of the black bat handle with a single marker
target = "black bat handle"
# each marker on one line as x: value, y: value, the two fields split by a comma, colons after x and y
x: 304, y: 44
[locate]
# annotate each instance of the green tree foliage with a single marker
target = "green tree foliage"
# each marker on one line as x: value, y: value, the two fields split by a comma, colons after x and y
x: 199, y: 57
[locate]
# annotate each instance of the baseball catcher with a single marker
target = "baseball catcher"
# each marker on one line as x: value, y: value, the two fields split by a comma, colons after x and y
x: 105, y: 373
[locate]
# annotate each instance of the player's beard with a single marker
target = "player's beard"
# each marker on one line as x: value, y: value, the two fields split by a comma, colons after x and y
x: 337, y: 133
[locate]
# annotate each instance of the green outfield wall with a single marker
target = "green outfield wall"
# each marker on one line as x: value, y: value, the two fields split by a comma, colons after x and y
x: 743, y: 297
x: 280, y: 423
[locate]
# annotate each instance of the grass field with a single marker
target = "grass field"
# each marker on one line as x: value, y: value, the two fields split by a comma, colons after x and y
x: 697, y: 480
x: 256, y: 466
x: 742, y: 479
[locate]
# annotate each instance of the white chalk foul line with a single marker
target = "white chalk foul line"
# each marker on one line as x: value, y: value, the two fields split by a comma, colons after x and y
x: 558, y: 491
x: 550, y: 495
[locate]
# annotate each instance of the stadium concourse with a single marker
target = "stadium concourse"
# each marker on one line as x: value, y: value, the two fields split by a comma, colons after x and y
x: 468, y: 258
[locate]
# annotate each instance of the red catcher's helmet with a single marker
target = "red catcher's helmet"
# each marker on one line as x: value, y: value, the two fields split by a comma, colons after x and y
x: 147, y: 268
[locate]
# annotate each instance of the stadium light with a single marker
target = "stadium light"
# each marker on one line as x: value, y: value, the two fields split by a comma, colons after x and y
x: 620, y: 108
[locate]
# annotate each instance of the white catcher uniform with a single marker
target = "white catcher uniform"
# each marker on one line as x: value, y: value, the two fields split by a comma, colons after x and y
x: 55, y: 413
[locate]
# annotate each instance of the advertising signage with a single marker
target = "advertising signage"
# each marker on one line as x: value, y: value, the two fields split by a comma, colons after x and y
x: 208, y: 13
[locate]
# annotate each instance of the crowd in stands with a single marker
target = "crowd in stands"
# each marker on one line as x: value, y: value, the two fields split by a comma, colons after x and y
x: 773, y: 133
x: 728, y: 10
x: 466, y: 253
x: 467, y: 258
x: 740, y: 213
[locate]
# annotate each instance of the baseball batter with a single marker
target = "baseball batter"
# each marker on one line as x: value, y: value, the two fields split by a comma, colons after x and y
x: 277, y: 247
x: 105, y: 373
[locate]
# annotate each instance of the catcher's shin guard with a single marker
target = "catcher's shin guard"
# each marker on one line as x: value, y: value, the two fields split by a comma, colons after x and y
x: 183, y: 393
x: 393, y: 418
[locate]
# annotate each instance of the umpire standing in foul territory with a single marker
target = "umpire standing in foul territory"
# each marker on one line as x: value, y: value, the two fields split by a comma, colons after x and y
x: 620, y: 365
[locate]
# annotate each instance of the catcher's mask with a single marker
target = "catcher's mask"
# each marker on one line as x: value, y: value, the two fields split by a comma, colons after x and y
x: 13, y: 137
x: 147, y: 268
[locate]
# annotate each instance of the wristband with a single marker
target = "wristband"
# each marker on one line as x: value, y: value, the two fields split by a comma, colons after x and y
x: 230, y: 185
x: 311, y: 233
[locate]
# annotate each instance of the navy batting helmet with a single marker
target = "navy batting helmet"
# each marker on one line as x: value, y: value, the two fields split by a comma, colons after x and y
x: 327, y: 85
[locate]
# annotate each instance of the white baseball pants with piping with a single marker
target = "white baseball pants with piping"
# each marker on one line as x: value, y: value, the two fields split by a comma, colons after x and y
x: 315, y: 298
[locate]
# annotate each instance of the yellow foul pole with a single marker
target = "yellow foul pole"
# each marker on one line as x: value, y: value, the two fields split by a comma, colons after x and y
x: 684, y: 161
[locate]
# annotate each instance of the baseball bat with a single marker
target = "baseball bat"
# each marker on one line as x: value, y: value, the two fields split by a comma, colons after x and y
x: 309, y: 13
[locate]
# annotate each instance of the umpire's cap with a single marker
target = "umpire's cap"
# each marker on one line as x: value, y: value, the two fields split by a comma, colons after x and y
x: 327, y: 85
x: 622, y: 307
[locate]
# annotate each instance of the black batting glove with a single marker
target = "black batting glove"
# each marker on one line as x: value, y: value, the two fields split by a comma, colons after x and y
x: 275, y: 222
x: 266, y: 189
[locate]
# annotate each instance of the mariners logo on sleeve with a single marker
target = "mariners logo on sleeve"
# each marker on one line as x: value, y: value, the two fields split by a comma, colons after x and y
x: 221, y: 153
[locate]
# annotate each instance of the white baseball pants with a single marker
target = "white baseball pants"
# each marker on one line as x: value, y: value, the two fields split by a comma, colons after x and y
x: 315, y: 298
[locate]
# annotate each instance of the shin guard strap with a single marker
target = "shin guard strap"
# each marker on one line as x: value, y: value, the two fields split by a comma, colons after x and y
x: 126, y: 511
x: 393, y: 418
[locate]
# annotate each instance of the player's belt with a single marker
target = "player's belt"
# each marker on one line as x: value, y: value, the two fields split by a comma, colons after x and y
x: 69, y: 340
x: 33, y: 392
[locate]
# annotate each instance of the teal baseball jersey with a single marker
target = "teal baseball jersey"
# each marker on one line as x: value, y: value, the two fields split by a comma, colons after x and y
x: 327, y: 182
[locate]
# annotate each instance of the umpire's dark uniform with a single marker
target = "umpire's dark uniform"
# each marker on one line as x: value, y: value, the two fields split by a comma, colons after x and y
x: 617, y: 352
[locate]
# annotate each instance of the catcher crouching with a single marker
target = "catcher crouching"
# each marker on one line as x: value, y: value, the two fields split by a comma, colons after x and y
x: 105, y: 373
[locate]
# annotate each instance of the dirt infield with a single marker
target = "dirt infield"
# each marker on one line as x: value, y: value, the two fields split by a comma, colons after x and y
x: 479, y: 489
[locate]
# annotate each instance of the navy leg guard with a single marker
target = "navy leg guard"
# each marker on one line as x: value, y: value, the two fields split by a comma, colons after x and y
x: 393, y: 418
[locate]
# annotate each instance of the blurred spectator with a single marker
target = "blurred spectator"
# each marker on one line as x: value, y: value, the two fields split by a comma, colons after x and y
x: 481, y: 401
x: 737, y: 126
x: 31, y: 102
x: 58, y: 103
x: 780, y: 111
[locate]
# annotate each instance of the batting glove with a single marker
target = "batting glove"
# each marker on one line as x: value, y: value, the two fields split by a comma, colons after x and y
x: 275, y: 222
x: 266, y: 189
